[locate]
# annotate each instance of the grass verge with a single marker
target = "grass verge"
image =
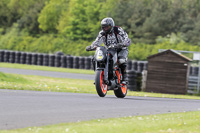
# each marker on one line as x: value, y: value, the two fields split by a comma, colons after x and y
x: 148, y: 94
x: 186, y: 122
x: 40, y: 83
x: 34, y: 67
x: 46, y: 68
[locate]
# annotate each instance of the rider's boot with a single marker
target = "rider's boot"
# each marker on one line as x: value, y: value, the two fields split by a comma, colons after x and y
x: 124, y: 74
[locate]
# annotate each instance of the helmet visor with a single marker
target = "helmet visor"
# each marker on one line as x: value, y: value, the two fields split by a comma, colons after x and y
x: 106, y: 28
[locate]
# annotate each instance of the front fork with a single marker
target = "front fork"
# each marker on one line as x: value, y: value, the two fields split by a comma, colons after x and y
x: 106, y: 69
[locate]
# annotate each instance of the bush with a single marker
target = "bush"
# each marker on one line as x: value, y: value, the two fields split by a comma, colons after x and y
x: 51, y: 43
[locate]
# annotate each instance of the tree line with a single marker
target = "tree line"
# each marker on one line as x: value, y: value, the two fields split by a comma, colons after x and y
x: 70, y: 25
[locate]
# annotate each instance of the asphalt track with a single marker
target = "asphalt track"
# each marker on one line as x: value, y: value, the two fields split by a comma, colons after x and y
x: 19, y: 109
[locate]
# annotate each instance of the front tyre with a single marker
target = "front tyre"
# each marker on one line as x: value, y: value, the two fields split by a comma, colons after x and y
x: 101, y: 87
x: 121, y: 91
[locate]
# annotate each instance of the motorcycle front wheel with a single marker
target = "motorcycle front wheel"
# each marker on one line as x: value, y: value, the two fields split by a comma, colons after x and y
x: 101, y: 87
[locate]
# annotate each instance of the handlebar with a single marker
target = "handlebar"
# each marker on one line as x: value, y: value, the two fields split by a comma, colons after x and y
x: 119, y: 45
x: 92, y: 48
x: 111, y: 46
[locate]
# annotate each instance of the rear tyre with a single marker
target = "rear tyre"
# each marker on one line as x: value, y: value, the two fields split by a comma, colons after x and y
x: 101, y: 87
x: 121, y: 91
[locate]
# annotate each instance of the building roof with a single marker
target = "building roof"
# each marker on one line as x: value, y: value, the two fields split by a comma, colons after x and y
x: 171, y: 51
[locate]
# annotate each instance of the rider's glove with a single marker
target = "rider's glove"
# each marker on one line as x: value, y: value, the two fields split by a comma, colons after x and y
x: 121, y: 45
x: 127, y: 42
x: 88, y: 48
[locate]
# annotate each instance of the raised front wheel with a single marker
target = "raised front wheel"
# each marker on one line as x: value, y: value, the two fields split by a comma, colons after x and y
x: 101, y: 87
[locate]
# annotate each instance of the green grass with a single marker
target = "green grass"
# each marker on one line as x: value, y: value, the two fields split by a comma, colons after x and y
x: 40, y: 83
x: 12, y: 78
x: 46, y: 68
x: 148, y: 94
x: 186, y: 122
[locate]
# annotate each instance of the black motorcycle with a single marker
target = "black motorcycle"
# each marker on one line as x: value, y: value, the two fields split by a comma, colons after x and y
x: 107, y: 72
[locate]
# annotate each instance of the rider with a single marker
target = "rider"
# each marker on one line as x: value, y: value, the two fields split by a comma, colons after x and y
x: 116, y: 36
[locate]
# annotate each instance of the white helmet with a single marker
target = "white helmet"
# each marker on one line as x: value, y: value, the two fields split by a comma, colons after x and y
x: 107, y: 25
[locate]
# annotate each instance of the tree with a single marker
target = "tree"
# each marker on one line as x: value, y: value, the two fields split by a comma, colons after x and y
x: 5, y: 19
x: 191, y: 22
x: 29, y: 20
x: 162, y: 21
x: 50, y: 15
x: 19, y: 8
x: 23, y: 12
x: 121, y: 13
x: 83, y: 23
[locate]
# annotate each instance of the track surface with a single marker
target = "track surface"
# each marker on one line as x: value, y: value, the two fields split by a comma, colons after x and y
x: 47, y: 73
x: 20, y: 109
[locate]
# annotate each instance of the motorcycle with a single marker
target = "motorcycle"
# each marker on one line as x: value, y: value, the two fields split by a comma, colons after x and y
x: 107, y: 72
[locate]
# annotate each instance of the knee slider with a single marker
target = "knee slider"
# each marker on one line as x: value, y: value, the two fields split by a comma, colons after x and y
x: 122, y: 60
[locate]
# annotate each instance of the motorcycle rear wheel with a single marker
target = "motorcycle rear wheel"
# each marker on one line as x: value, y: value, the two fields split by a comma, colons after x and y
x: 101, y: 87
x: 121, y: 91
